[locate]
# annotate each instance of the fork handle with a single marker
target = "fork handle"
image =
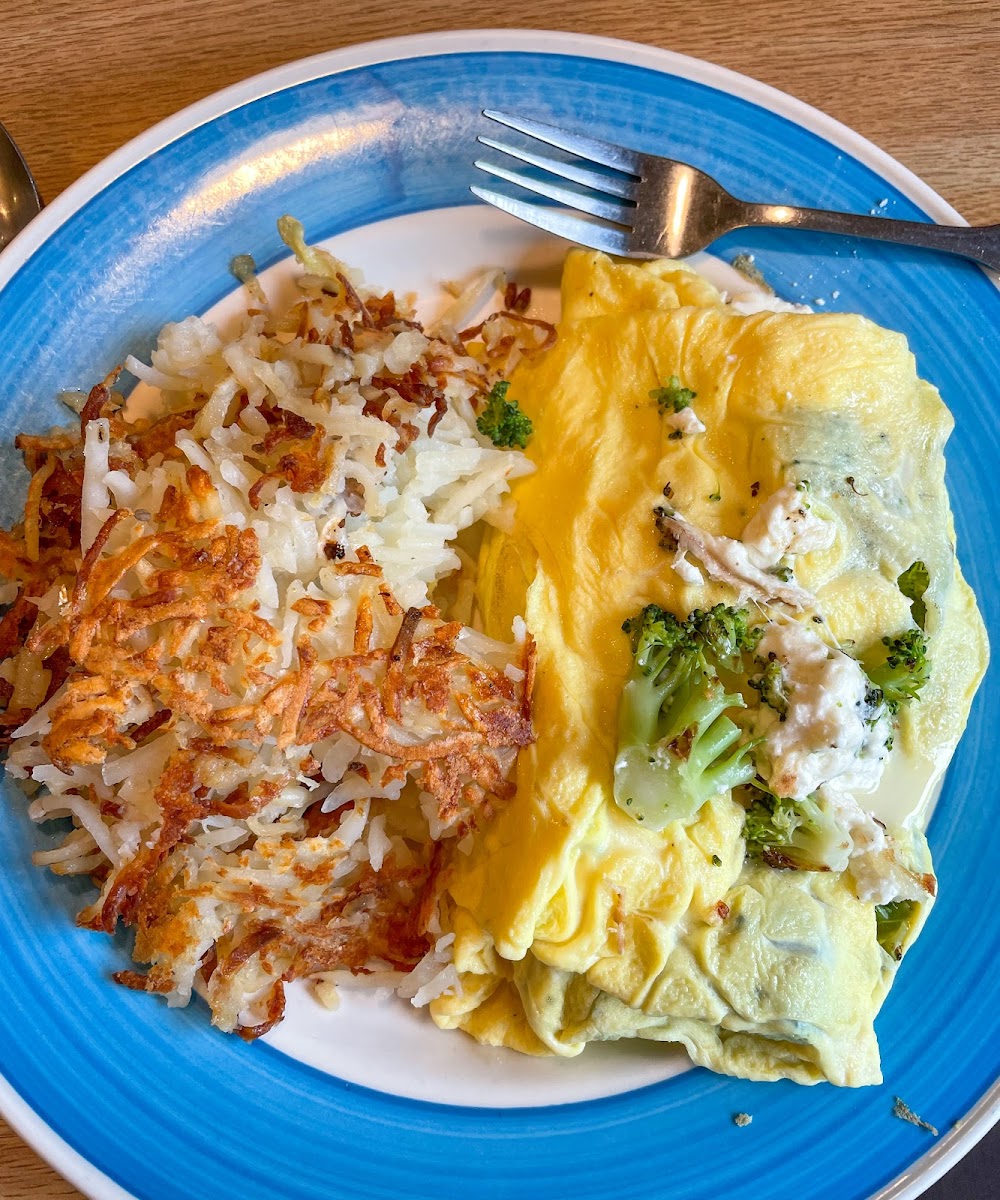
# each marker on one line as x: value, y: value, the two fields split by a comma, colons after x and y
x: 978, y: 242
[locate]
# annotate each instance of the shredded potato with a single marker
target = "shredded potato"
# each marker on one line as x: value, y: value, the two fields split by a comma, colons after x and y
x: 223, y: 660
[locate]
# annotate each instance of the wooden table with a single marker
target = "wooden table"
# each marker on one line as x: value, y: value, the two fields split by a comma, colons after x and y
x: 917, y: 77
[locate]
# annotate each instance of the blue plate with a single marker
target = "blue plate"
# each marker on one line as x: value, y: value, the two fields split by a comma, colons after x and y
x: 128, y: 1099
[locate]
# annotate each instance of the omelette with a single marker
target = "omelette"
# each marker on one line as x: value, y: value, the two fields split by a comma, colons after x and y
x: 693, y: 459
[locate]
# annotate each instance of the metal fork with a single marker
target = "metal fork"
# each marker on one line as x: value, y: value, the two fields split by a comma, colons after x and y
x: 653, y: 207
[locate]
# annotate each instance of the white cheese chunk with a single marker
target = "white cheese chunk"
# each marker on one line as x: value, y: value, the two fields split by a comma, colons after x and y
x: 879, y: 875
x: 826, y: 735
x: 686, y: 569
x: 686, y: 421
x: 727, y: 560
x: 786, y: 524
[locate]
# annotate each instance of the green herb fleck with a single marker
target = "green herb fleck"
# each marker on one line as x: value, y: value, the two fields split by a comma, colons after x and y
x: 905, y: 1113
x: 673, y: 397
x: 744, y: 263
x: 715, y: 496
x: 716, y: 861
x: 502, y: 420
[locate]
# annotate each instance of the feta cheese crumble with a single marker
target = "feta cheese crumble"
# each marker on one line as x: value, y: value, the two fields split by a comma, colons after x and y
x: 685, y: 421
x: 829, y: 733
x: 786, y: 524
x: 832, y: 743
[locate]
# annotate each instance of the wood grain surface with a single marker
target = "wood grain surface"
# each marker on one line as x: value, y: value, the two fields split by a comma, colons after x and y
x: 917, y: 77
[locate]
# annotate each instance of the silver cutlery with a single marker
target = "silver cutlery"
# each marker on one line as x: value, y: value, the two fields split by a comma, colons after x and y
x: 647, y: 206
x: 19, y: 199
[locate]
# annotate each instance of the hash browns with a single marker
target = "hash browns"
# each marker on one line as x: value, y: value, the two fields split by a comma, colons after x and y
x: 221, y: 658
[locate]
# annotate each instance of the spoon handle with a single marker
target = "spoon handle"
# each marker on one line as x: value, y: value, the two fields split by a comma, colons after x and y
x: 978, y: 242
x: 19, y: 199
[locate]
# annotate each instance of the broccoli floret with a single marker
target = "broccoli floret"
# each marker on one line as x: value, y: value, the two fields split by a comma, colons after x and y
x: 771, y: 685
x: 913, y: 583
x: 676, y: 748
x: 904, y: 670
x: 655, y: 635
x: 797, y: 834
x: 673, y: 397
x: 502, y: 420
x: 726, y: 633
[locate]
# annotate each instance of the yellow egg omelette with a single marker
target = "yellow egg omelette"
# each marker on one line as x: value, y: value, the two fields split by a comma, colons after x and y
x: 574, y: 921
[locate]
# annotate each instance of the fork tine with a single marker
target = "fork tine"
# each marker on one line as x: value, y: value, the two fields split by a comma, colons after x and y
x: 613, y: 185
x: 608, y: 209
x: 608, y: 155
x: 573, y: 229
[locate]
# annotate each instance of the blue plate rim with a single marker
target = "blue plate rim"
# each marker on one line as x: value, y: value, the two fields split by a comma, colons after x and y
x: 424, y: 45
x: 72, y: 1165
